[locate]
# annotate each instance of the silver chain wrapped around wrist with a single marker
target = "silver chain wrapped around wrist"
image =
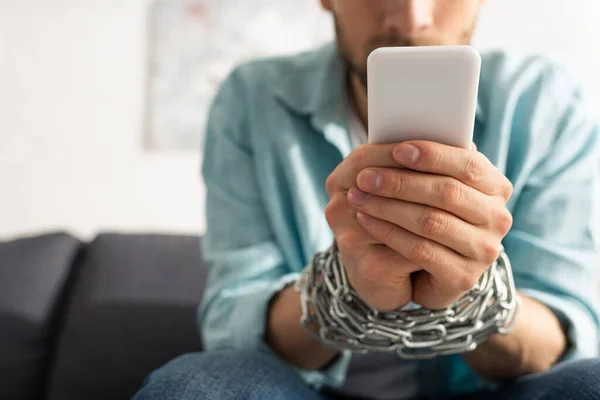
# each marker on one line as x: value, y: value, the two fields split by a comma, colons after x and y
x: 334, y: 313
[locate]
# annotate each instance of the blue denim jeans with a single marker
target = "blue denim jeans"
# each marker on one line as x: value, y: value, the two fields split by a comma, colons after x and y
x: 225, y: 375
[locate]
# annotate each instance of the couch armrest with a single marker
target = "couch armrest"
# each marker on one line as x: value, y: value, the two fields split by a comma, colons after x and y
x: 33, y: 276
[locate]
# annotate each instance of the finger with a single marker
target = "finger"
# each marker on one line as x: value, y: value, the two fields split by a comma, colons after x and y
x: 433, y: 190
x: 429, y: 292
x: 448, y: 275
x: 382, y: 279
x: 341, y: 217
x: 431, y: 223
x: 471, y: 168
x: 427, y: 254
x: 369, y: 155
x: 380, y: 275
x: 473, y: 147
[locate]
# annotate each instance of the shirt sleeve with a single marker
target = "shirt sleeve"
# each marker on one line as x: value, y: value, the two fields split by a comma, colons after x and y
x: 245, y: 265
x: 554, y: 240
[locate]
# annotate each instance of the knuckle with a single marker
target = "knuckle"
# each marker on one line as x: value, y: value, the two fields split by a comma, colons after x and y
x: 356, y: 158
x: 329, y: 213
x: 433, y: 223
x: 399, y: 184
x: 472, y: 248
x: 491, y: 251
x: 347, y: 241
x: 330, y: 184
x: 452, y: 192
x: 385, y: 232
x: 474, y: 170
x: 504, y: 220
x: 508, y: 189
x: 437, y: 158
x: 334, y: 210
x: 466, y: 281
x: 420, y: 252
x: 382, y: 208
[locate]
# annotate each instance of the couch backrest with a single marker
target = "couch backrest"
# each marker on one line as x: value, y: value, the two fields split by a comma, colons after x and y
x: 133, y: 309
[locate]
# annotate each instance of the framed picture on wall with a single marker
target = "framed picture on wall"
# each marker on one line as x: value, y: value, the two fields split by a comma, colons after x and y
x: 194, y: 44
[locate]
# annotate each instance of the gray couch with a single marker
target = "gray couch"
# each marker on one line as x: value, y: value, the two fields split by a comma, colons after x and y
x: 85, y: 321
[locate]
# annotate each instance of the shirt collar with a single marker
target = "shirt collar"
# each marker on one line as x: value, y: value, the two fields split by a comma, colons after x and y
x: 317, y: 88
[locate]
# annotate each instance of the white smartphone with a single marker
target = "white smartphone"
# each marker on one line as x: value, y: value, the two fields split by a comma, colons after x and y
x: 423, y: 93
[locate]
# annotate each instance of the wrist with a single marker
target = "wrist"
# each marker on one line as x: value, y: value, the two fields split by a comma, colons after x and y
x: 345, y: 321
x: 286, y: 337
x: 536, y: 342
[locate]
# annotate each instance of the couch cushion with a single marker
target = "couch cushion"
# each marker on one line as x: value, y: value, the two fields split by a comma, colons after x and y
x: 33, y: 275
x: 133, y: 309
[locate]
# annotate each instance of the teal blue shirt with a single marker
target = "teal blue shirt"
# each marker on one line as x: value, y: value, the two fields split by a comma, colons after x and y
x: 278, y: 128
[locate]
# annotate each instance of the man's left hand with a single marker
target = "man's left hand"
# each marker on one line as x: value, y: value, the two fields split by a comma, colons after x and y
x: 444, y: 208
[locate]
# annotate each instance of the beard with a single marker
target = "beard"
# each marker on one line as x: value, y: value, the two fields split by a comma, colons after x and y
x: 357, y: 65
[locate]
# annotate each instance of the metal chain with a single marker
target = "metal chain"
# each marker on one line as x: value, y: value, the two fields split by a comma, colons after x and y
x: 334, y: 313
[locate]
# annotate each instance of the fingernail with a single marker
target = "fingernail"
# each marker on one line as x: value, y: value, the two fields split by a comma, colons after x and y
x: 365, y: 219
x: 357, y: 197
x: 406, y: 154
x: 369, y: 180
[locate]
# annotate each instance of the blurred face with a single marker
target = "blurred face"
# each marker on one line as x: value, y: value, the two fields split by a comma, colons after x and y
x: 364, y: 25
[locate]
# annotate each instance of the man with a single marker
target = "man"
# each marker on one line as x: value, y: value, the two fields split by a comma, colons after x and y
x: 286, y: 175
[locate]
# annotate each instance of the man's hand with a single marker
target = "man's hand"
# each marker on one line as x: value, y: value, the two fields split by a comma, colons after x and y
x: 380, y: 275
x: 442, y: 217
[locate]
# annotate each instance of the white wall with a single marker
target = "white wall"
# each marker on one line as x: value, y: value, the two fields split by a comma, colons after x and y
x: 71, y: 111
x: 568, y: 29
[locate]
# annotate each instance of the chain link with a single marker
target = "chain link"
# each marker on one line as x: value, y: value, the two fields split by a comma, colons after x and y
x: 334, y: 313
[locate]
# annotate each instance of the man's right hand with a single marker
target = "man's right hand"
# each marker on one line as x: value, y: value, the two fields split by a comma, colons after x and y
x: 379, y: 275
